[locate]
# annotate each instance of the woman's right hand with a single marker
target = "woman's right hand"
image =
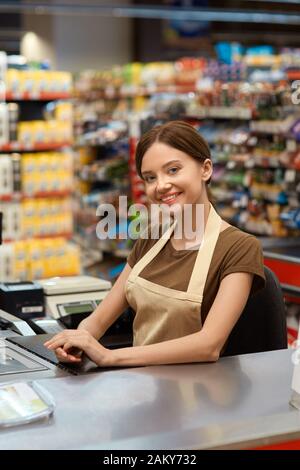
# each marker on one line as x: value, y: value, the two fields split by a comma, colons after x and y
x: 72, y: 355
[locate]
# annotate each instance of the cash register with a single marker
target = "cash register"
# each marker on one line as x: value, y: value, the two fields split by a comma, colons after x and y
x: 67, y: 301
x: 71, y: 299
x: 73, y: 295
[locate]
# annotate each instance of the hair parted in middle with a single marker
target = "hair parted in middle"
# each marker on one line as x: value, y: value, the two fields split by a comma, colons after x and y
x: 177, y: 134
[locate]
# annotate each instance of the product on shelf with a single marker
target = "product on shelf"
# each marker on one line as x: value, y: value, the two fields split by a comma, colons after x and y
x: 37, y: 84
x: 37, y: 259
x: 101, y: 168
x: 36, y: 183
x: 243, y: 106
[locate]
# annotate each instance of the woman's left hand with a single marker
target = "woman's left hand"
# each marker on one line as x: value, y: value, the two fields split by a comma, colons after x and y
x: 81, y: 339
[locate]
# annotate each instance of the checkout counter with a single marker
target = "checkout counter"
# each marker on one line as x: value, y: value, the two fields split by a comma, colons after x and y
x: 66, y: 302
x: 239, y: 402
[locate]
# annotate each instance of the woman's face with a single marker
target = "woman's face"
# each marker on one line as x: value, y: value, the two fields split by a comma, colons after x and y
x: 173, y: 177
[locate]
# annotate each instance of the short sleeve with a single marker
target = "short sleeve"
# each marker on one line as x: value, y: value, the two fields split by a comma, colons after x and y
x: 141, y: 246
x: 132, y: 257
x: 136, y: 252
x: 245, y: 256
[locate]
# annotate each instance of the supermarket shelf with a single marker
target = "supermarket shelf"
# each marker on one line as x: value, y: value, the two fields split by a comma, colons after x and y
x: 220, y: 112
x: 16, y: 197
x: 134, y: 92
x: 40, y: 237
x: 18, y: 147
x: 258, y: 162
x: 39, y: 96
x: 260, y: 135
x: 293, y: 74
x: 49, y: 194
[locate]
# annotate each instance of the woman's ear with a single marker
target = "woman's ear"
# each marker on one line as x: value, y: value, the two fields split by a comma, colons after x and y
x: 207, y: 169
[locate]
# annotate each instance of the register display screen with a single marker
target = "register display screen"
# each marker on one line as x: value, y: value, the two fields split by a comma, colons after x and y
x: 80, y: 308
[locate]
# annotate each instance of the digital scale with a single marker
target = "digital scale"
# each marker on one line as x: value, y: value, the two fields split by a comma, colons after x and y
x: 73, y: 295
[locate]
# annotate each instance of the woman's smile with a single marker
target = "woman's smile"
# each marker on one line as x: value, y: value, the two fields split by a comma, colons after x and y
x: 170, y: 198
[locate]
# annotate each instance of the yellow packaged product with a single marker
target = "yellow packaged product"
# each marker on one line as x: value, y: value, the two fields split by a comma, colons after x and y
x: 12, y: 81
x: 72, y: 260
x: 67, y: 161
x: 36, y: 269
x: 28, y: 213
x: 40, y: 132
x: 28, y: 184
x: 20, y: 271
x: 66, y: 131
x: 56, y: 81
x: 43, y: 81
x: 68, y: 180
x: 28, y: 80
x: 50, y: 181
x: 44, y: 170
x: 57, y: 225
x: 55, y: 206
x: 49, y: 257
x: 64, y: 111
x: 50, y: 208
x: 38, y: 184
x: 28, y: 168
x: 50, y: 81
x: 59, y: 253
x: 20, y: 250
x: 27, y: 163
x: 20, y: 256
x: 44, y: 160
x: 52, y: 132
x: 25, y: 134
x: 66, y: 205
x: 62, y: 181
x: 34, y: 259
x: 55, y: 161
x: 64, y: 82
x: 30, y: 222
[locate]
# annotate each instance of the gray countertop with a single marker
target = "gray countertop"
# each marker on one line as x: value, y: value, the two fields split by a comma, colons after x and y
x: 237, y: 402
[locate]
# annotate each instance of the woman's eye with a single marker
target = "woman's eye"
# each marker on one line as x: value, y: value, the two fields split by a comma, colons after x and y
x: 173, y: 170
x: 149, y: 179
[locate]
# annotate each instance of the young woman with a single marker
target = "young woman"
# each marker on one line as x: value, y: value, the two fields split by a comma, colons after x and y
x: 186, y: 301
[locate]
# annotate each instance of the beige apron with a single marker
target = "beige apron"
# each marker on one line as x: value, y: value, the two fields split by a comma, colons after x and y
x: 163, y: 313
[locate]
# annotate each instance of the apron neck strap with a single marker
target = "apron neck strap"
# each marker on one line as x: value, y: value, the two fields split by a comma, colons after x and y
x: 148, y: 257
x: 203, y: 259
x: 205, y: 253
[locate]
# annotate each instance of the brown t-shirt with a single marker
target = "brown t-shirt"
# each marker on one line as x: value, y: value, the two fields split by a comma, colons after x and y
x: 235, y: 251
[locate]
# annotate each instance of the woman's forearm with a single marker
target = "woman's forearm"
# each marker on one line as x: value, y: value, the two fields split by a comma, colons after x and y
x: 103, y: 317
x: 92, y: 325
x: 111, y: 307
x: 196, y: 347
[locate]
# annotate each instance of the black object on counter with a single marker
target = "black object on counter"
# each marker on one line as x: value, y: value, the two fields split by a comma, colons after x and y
x: 22, y: 299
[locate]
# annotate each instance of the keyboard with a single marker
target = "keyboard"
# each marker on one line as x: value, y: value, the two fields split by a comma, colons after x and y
x: 35, y: 345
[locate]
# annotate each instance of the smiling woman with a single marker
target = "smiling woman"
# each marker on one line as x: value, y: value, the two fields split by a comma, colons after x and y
x: 186, y: 296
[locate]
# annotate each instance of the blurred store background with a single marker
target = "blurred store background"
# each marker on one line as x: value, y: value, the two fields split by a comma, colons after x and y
x: 80, y: 81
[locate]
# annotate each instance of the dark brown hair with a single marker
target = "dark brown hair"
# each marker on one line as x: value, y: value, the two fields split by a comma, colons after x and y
x: 177, y: 134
